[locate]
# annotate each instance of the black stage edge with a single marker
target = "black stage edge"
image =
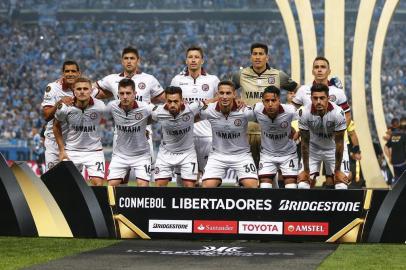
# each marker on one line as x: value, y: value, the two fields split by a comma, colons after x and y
x: 76, y: 200
x: 15, y: 216
x: 390, y: 223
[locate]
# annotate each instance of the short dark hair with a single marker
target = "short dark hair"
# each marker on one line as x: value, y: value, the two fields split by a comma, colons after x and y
x: 126, y: 82
x: 171, y: 90
x: 130, y: 50
x: 195, y: 48
x: 259, y: 45
x: 319, y: 87
x: 229, y: 83
x: 272, y: 89
x: 321, y: 58
x: 68, y: 63
x: 82, y: 79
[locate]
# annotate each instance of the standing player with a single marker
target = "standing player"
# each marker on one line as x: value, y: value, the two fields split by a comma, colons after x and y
x: 82, y: 144
x: 322, y: 125
x: 253, y: 80
x: 177, y: 149
x: 321, y: 71
x: 278, y: 150
x: 230, y: 148
x: 198, y: 85
x: 131, y: 150
x: 57, y: 93
x: 147, y: 86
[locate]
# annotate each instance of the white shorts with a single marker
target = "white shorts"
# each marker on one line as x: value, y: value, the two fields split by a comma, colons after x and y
x: 139, y: 165
x: 167, y: 161
x: 92, y: 161
x: 345, y: 164
x: 203, y: 148
x: 51, y: 153
x: 316, y: 156
x: 219, y: 163
x: 269, y: 165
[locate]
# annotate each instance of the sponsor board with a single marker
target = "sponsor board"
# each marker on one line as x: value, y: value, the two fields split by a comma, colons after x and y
x: 215, y: 226
x: 305, y: 228
x: 260, y: 227
x: 170, y: 226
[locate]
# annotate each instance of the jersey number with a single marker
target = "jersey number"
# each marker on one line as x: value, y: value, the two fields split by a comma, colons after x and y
x: 291, y: 164
x: 250, y: 168
x: 100, y: 166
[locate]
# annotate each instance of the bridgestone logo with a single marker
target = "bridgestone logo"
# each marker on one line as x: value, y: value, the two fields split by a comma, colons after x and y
x: 170, y: 226
x: 288, y: 205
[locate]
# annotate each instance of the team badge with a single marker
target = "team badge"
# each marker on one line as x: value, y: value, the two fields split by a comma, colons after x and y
x: 330, y: 124
x: 156, y: 170
x: 93, y: 115
x: 284, y: 124
x: 186, y: 118
x: 138, y: 116
x: 59, y: 106
x: 205, y: 87
x: 271, y: 80
x: 237, y: 122
x: 141, y: 86
x: 48, y: 89
x: 260, y: 166
x: 332, y: 98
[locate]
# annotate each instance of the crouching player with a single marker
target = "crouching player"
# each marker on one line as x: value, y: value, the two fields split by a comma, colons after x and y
x: 278, y: 150
x: 131, y: 149
x: 82, y: 144
x: 177, y: 149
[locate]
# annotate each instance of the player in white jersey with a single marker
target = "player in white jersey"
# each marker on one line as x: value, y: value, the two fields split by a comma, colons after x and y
x: 321, y: 71
x: 198, y: 85
x: 56, y: 93
x: 278, y: 150
x: 230, y: 148
x: 82, y: 144
x: 322, y: 126
x: 131, y: 149
x: 177, y: 148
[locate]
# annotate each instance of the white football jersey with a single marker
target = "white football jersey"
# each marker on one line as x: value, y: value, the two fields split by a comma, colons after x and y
x: 336, y: 95
x: 53, y: 93
x: 177, y: 132
x: 129, y: 128
x: 83, y: 125
x: 199, y: 89
x: 322, y: 129
x: 275, y: 133
x: 146, y: 85
x: 229, y: 132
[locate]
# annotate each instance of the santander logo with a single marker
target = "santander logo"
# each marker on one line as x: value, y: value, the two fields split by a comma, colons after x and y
x: 215, y: 226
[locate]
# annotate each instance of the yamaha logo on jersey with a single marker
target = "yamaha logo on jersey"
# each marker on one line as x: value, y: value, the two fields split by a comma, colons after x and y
x: 271, y: 80
x: 284, y: 124
x: 237, y: 122
x: 186, y: 118
x: 141, y: 86
x: 332, y: 98
x: 93, y: 115
x: 138, y: 116
x: 205, y: 87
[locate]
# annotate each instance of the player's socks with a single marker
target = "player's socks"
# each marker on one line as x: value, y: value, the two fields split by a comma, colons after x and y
x: 303, y: 185
x: 291, y: 185
x: 265, y: 185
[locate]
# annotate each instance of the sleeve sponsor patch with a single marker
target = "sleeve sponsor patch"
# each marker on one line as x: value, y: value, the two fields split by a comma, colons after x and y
x: 48, y: 89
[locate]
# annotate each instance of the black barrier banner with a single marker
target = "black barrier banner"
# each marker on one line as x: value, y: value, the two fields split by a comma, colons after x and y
x: 237, y: 213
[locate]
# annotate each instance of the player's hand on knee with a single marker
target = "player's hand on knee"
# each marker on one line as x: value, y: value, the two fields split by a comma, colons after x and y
x: 340, y: 177
x: 303, y: 176
x: 63, y: 156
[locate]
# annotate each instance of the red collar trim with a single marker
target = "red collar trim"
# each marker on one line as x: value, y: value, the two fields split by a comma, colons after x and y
x: 91, y: 102
x: 234, y: 108
x: 328, y: 83
x: 135, y: 105
x: 330, y: 107
x: 202, y: 72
